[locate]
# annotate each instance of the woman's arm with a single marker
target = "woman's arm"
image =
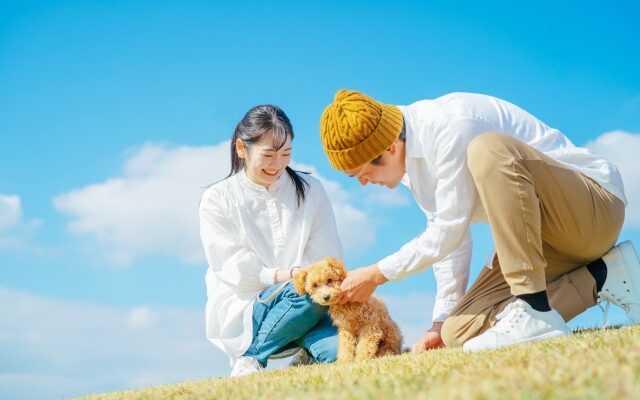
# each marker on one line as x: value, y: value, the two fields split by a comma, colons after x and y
x: 229, y: 259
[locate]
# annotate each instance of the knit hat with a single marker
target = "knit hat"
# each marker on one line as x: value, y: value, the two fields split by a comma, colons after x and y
x: 355, y: 129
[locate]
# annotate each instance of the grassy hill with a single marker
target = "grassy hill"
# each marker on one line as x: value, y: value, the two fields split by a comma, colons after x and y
x: 590, y: 364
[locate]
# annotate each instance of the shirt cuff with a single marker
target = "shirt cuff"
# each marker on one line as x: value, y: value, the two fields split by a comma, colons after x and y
x: 390, y: 267
x: 442, y: 309
x: 267, y: 276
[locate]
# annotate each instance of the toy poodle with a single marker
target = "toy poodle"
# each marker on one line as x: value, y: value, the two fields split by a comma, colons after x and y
x: 365, y: 330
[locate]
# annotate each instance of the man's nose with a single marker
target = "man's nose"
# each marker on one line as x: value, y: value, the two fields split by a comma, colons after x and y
x: 363, y: 181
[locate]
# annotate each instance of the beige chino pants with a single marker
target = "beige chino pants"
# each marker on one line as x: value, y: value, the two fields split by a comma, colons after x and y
x: 547, y: 221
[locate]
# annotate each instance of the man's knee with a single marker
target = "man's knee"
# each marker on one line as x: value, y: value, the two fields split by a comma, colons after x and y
x: 481, y: 150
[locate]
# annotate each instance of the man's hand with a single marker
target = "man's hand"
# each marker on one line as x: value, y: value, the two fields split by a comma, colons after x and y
x: 430, y: 340
x: 360, y: 284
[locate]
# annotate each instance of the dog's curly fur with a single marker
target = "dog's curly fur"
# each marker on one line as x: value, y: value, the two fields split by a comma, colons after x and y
x: 365, y: 330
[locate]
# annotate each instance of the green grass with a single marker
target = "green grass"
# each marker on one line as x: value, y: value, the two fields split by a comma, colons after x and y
x: 588, y: 365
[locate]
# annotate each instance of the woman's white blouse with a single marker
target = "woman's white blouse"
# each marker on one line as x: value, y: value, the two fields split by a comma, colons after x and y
x: 248, y: 232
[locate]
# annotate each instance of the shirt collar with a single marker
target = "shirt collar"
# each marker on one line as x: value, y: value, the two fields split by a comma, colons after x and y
x: 413, y: 147
x: 246, y: 181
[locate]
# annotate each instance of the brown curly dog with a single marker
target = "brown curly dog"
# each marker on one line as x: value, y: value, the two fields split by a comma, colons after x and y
x: 365, y: 330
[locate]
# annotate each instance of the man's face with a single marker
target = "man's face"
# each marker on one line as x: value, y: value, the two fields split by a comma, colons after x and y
x: 388, y: 171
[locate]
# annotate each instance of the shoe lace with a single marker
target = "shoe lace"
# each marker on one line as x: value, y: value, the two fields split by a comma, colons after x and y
x: 508, y: 318
x: 610, y: 298
x: 605, y: 315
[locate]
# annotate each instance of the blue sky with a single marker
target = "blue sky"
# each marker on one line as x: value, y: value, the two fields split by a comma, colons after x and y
x: 114, y: 115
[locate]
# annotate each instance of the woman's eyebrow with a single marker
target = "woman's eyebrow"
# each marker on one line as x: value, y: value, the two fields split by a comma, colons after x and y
x: 272, y: 149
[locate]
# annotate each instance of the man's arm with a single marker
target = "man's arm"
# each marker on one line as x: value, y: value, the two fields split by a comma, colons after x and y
x: 455, y: 198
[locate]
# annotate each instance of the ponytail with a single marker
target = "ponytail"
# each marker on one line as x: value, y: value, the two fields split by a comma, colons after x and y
x: 300, y: 183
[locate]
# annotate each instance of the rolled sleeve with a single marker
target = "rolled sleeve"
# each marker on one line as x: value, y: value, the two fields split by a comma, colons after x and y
x: 267, y: 276
x: 229, y: 259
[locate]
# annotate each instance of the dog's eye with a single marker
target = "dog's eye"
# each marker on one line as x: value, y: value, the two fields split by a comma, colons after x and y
x: 315, y: 285
x: 330, y: 280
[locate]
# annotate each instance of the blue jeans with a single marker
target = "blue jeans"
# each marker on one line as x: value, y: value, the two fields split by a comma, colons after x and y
x: 289, y: 321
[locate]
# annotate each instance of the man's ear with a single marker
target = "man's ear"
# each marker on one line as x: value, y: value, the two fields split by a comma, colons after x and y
x: 393, y: 148
x: 299, y: 281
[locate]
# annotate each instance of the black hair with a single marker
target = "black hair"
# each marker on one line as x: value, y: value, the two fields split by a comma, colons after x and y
x: 257, y: 122
x: 403, y: 137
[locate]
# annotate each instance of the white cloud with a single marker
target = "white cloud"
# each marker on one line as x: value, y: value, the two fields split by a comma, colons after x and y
x: 10, y: 211
x: 54, y: 348
x: 141, y: 318
x: 15, y: 233
x: 622, y: 148
x: 152, y: 207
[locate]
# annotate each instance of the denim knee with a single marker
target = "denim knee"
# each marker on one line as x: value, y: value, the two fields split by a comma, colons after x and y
x: 325, y: 350
x: 311, y: 308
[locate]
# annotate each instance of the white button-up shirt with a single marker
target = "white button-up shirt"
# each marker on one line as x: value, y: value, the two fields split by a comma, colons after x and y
x: 248, y: 232
x: 438, y: 132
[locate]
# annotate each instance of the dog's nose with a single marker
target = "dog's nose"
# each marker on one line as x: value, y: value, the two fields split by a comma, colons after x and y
x: 326, y: 297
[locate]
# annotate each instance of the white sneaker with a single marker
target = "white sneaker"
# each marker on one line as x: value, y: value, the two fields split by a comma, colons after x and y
x: 302, y: 357
x: 246, y: 366
x: 519, y: 323
x: 622, y: 286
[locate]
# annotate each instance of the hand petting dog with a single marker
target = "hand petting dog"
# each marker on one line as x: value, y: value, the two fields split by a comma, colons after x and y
x: 360, y: 284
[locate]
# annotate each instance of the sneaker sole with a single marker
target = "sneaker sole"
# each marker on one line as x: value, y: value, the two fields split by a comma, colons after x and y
x: 546, y: 336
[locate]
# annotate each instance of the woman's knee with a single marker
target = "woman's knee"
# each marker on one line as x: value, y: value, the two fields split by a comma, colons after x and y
x: 325, y: 350
x: 305, y: 303
x: 313, y: 308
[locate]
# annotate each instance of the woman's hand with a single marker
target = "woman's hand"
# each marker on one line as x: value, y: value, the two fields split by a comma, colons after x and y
x: 430, y: 340
x: 285, y: 274
x: 295, y: 271
x: 360, y: 284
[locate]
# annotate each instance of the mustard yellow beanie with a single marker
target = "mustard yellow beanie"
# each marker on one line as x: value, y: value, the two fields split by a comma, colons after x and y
x: 355, y: 129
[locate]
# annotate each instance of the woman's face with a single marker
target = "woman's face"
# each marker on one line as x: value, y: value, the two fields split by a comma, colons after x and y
x: 263, y: 163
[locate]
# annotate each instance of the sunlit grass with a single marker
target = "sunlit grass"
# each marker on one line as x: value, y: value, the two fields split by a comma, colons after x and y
x: 590, y: 364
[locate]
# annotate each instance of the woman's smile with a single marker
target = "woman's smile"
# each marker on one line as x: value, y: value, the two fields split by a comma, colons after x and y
x: 271, y: 172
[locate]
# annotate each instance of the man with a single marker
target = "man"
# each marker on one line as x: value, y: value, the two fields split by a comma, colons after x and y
x: 555, y: 212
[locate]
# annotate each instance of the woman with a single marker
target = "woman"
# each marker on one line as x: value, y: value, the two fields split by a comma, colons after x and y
x: 257, y: 226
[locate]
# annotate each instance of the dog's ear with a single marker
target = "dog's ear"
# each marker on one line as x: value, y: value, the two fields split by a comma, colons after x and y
x: 337, y: 266
x: 299, y: 281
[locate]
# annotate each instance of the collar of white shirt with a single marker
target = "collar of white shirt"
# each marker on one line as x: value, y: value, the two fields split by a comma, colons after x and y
x: 412, y: 145
x: 247, y: 182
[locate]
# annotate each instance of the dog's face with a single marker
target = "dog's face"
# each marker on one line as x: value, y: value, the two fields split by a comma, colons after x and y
x: 321, y: 281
